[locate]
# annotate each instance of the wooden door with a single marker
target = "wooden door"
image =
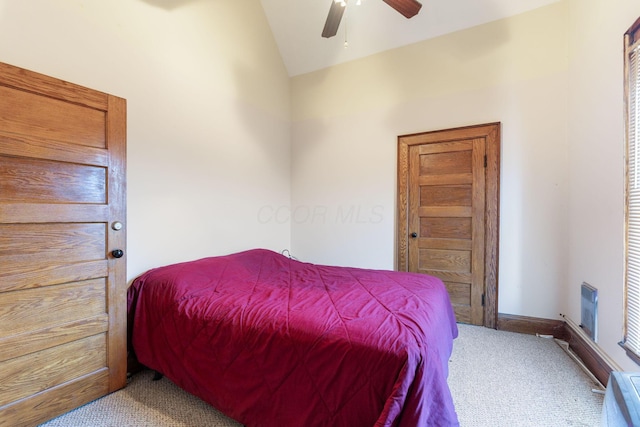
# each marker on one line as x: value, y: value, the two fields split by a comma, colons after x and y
x: 448, y: 214
x: 62, y: 291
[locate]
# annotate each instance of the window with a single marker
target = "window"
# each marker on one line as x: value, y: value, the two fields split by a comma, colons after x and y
x: 631, y: 341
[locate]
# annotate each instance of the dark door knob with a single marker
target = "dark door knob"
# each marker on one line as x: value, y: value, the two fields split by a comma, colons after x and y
x: 414, y: 235
x: 117, y: 253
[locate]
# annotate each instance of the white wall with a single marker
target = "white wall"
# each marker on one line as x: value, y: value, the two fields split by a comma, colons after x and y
x: 346, y: 120
x: 596, y: 138
x: 208, y: 112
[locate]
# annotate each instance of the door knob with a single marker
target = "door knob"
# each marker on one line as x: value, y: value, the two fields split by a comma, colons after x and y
x: 117, y: 253
x: 414, y: 235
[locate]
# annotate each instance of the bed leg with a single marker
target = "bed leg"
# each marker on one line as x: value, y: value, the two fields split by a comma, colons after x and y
x: 156, y: 376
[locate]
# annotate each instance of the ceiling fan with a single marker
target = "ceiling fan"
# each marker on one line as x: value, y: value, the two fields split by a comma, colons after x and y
x: 408, y: 8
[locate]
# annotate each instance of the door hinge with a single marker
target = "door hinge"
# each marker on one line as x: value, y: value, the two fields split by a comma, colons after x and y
x: 485, y: 160
x: 483, y: 300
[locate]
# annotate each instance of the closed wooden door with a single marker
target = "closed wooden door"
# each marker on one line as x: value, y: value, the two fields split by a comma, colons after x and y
x: 62, y: 290
x: 448, y: 214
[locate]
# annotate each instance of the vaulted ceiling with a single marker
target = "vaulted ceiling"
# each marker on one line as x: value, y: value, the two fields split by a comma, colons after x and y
x: 372, y: 27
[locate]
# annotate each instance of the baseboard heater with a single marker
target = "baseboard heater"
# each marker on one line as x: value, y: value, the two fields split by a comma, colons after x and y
x: 622, y: 400
x: 589, y: 310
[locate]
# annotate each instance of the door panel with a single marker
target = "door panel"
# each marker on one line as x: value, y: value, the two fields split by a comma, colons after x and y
x: 446, y: 195
x: 35, y: 115
x: 70, y: 395
x: 446, y: 229
x: 54, y: 366
x: 38, y: 181
x: 44, y: 243
x: 429, y: 259
x: 445, y: 159
x: 38, y: 308
x: 455, y: 228
x: 62, y: 296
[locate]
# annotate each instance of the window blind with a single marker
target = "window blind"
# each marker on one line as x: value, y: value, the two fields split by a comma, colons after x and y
x: 632, y: 196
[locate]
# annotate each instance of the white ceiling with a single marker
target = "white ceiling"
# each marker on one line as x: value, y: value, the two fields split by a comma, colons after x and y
x: 372, y: 27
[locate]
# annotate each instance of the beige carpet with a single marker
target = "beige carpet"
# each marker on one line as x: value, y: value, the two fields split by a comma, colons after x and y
x: 496, y: 379
x: 513, y: 380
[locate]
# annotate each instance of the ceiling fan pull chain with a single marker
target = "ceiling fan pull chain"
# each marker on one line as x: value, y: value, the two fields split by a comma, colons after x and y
x: 346, y: 43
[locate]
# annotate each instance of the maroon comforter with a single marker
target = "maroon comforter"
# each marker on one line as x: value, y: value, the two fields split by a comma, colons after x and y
x: 275, y: 342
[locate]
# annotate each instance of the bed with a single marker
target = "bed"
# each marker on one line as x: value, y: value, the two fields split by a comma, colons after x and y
x: 272, y: 341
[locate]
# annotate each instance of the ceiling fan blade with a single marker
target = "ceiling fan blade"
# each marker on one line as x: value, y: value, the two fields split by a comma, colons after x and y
x: 333, y: 20
x: 409, y: 8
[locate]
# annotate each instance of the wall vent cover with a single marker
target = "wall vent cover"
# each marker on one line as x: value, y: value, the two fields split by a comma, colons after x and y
x: 589, y: 309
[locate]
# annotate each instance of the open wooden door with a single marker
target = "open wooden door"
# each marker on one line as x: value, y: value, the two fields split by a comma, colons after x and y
x: 448, y: 214
x: 62, y: 217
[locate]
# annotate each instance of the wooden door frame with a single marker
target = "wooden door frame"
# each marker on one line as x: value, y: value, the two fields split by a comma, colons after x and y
x: 490, y: 132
